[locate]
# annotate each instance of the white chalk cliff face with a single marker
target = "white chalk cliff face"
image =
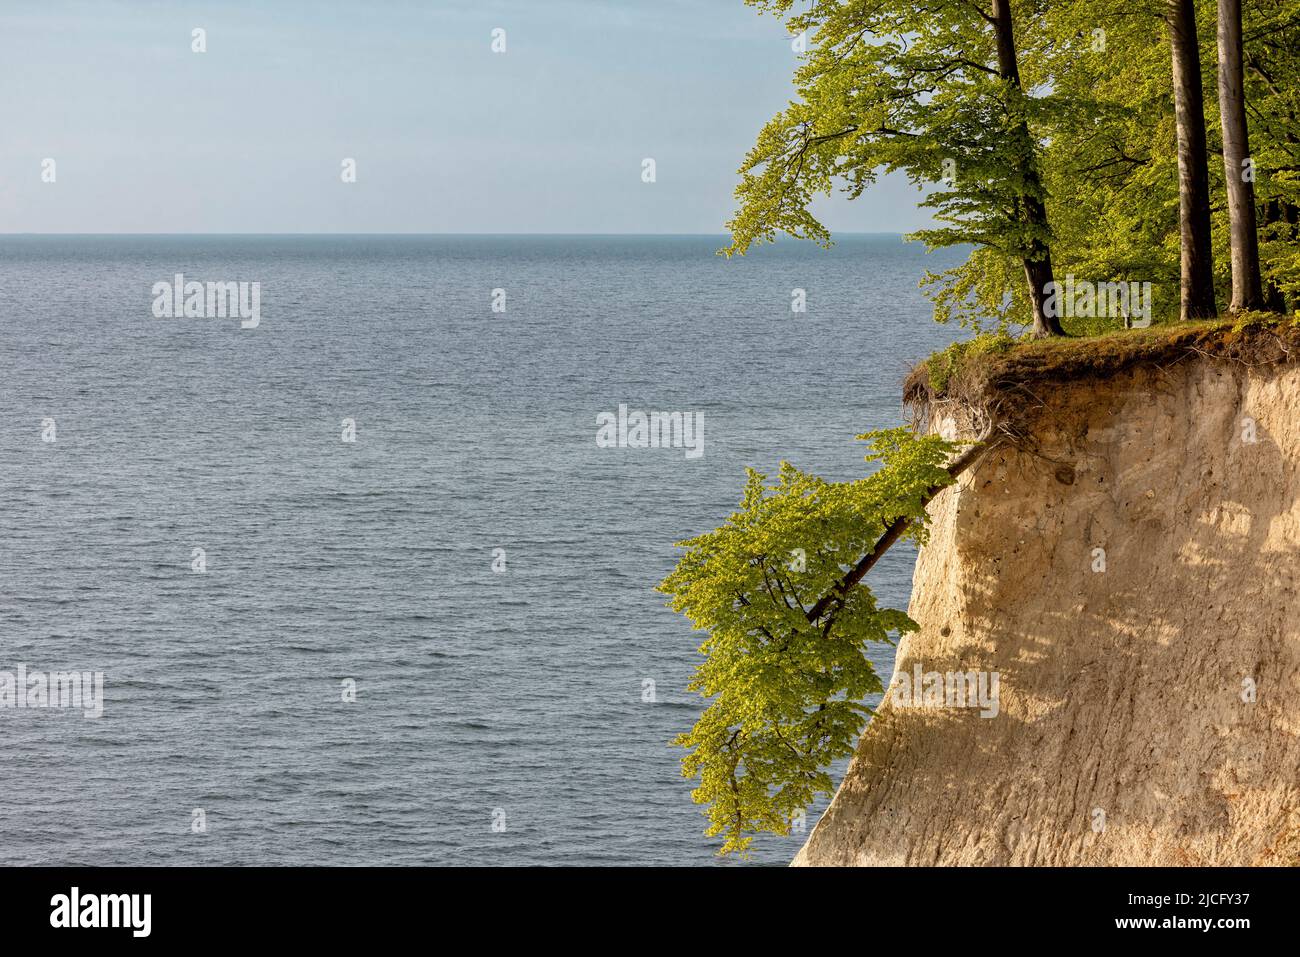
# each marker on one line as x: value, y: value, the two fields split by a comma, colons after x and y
x: 1149, y: 694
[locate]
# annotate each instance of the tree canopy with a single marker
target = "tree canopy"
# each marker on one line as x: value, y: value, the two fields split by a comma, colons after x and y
x: 786, y: 662
x: 1059, y: 138
x: 1085, y: 125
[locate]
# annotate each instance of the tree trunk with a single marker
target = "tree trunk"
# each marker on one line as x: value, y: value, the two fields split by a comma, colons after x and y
x: 1197, y: 286
x: 1038, y: 272
x: 1247, y: 289
x: 895, y: 529
x: 1037, y: 257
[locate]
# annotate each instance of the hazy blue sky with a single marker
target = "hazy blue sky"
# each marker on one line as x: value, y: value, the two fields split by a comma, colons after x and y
x: 448, y: 136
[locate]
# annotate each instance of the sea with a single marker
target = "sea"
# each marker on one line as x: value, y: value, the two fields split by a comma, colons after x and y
x: 362, y: 586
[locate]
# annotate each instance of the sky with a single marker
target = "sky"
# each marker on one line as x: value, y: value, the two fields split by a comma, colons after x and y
x: 447, y: 136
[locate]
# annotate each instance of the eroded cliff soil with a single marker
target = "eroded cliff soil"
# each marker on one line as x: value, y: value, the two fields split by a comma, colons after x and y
x: 1125, y: 732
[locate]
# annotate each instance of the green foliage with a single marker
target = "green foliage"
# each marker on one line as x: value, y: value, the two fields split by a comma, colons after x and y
x: 942, y: 365
x: 898, y: 86
x: 1111, y: 161
x: 988, y: 285
x: 1272, y: 66
x: 788, y: 689
x: 1254, y: 321
x: 913, y: 88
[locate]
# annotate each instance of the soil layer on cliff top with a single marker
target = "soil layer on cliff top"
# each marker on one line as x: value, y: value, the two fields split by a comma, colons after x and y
x: 981, y: 372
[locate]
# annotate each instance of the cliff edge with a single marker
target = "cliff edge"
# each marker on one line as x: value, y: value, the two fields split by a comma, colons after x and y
x: 1127, y: 568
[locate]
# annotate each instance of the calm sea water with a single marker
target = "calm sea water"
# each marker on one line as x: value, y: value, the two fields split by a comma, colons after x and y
x: 476, y: 690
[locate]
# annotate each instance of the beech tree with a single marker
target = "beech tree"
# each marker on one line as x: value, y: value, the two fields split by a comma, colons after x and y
x: 1271, y: 42
x: 933, y: 91
x: 1111, y: 158
x: 1247, y: 286
x: 778, y: 589
x: 1110, y: 161
x: 1196, y: 298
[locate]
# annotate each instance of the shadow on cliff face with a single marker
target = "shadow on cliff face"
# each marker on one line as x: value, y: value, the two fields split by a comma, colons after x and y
x: 1131, y: 580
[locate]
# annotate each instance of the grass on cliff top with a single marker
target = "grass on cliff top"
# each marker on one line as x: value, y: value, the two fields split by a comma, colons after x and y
x: 978, y: 369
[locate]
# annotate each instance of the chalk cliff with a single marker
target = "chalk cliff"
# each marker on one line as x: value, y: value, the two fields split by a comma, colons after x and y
x: 1128, y: 567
